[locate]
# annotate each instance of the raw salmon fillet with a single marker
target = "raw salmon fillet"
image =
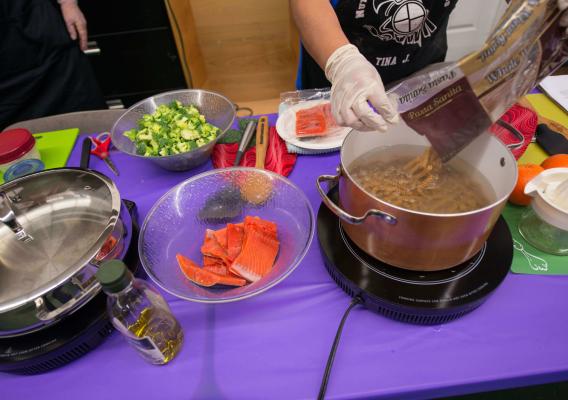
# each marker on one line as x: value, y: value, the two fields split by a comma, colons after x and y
x: 221, y: 236
x: 212, y: 248
x: 215, y: 265
x: 235, y: 237
x: 212, y: 261
x: 235, y: 254
x: 218, y: 269
x: 259, y: 251
x: 314, y: 121
x: 267, y: 227
x: 202, y: 277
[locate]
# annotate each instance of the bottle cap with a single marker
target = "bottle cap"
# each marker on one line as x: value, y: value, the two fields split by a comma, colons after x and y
x: 114, y: 276
x: 14, y: 144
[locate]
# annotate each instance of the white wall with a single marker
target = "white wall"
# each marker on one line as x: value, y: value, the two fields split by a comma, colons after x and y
x: 470, y: 24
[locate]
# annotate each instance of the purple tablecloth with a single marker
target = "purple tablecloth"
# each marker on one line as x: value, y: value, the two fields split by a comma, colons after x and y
x: 275, y: 345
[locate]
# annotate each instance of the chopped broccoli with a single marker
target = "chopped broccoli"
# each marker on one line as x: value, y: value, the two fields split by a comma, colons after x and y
x: 141, y: 148
x: 171, y: 129
x: 131, y: 134
x: 188, y: 134
x: 143, y: 135
x: 182, y: 147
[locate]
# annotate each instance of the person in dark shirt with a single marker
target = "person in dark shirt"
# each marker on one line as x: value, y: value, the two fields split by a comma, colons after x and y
x: 43, y: 70
x: 360, y: 45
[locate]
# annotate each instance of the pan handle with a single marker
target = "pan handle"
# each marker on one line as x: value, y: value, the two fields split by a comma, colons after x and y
x: 86, y: 153
x: 342, y: 214
x: 515, y: 132
x: 8, y: 218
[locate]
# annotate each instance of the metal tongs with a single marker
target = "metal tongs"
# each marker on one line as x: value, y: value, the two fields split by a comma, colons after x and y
x: 245, y: 140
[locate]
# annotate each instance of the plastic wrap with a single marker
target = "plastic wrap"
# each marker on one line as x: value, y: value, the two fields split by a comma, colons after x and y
x: 311, y: 109
x: 452, y: 103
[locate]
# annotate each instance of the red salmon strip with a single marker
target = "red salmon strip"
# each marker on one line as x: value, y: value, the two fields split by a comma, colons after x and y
x: 314, y: 121
x: 235, y: 237
x: 217, y: 269
x: 258, y: 254
x: 221, y: 236
x: 203, y: 277
x: 212, y: 248
x: 244, y: 250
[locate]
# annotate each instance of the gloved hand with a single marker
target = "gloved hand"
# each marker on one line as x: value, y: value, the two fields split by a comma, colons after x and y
x: 563, y: 5
x: 75, y: 21
x: 354, y: 82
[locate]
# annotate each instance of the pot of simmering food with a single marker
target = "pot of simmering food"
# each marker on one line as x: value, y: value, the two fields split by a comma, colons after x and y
x: 56, y: 227
x: 426, y: 216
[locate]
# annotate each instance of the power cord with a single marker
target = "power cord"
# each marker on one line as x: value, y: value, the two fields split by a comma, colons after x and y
x: 323, y: 386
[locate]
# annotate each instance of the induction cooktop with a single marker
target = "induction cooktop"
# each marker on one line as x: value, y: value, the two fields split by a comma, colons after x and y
x: 414, y: 296
x: 73, y: 336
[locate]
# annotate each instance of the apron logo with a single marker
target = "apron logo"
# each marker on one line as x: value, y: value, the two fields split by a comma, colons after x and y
x: 403, y: 21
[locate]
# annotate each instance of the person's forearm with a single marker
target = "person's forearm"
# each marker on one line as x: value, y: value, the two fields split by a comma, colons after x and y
x: 319, y: 28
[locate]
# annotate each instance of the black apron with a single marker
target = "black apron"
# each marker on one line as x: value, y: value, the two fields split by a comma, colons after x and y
x: 42, y: 71
x: 399, y: 37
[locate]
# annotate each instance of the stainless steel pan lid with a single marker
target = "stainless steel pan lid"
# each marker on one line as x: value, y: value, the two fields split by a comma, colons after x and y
x: 69, y: 213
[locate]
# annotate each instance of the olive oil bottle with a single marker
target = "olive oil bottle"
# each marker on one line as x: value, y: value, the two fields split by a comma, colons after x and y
x: 140, y: 313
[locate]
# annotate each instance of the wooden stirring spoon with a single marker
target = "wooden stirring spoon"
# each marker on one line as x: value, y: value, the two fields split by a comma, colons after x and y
x: 257, y: 190
x: 261, y: 142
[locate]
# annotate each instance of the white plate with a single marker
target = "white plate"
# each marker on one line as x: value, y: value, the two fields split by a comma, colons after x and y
x: 286, y: 128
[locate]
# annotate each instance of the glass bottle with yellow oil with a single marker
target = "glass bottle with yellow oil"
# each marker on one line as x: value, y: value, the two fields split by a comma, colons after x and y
x: 140, y: 313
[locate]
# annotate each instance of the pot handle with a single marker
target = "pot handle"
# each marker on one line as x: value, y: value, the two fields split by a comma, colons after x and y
x: 342, y: 214
x: 514, y: 132
x: 8, y: 218
x: 44, y: 314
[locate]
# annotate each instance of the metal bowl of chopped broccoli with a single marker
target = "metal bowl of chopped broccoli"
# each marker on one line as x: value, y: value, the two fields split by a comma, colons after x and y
x: 176, y: 130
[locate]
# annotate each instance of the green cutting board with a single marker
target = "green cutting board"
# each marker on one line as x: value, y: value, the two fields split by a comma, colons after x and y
x: 55, y: 147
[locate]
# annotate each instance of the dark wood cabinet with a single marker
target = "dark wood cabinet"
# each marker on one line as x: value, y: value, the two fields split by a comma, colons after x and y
x: 132, y: 49
x: 116, y: 16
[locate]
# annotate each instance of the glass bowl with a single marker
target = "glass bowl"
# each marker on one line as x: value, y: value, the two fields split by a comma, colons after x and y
x: 178, y: 221
x: 543, y: 235
x: 217, y: 109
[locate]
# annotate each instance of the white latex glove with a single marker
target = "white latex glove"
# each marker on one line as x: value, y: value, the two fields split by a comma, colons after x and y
x: 354, y: 82
x: 75, y: 21
x: 563, y: 5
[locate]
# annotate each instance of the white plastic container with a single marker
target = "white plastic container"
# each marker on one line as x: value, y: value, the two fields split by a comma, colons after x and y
x: 18, y: 154
x: 545, y: 224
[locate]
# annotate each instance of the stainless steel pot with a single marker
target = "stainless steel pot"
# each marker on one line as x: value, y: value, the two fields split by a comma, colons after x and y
x: 411, y: 239
x: 56, y: 227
